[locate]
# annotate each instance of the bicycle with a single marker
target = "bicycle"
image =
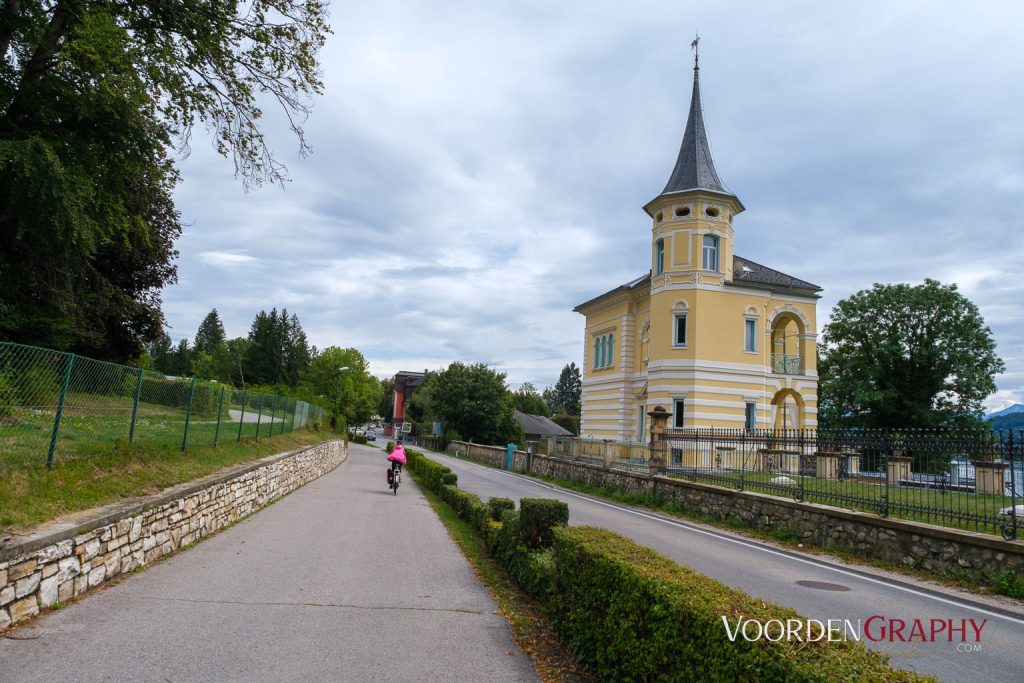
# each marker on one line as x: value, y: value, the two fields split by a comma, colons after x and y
x: 394, y: 477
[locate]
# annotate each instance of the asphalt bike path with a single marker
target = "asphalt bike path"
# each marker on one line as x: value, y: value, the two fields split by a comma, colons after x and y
x: 817, y: 588
x: 339, y: 581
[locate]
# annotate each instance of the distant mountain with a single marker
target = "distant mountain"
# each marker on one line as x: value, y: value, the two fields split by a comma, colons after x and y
x: 1015, y: 408
x: 1010, y: 421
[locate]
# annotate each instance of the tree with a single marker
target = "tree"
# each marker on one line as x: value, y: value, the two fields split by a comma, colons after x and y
x: 566, y: 395
x: 353, y: 394
x: 474, y: 401
x: 386, y: 405
x: 210, y: 336
x: 527, y: 400
x: 160, y: 350
x: 902, y: 356
x: 181, y: 360
x: 93, y: 96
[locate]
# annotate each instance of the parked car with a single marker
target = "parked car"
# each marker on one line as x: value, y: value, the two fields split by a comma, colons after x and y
x: 371, y: 435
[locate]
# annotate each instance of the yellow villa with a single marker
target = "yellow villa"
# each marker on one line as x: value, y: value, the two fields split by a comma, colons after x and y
x: 716, y: 339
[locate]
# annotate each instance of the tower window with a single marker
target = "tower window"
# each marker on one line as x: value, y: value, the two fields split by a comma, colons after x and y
x: 659, y: 257
x: 710, y: 252
x: 682, y: 211
x: 677, y: 413
x: 711, y: 211
x: 604, y: 351
x: 597, y: 353
x: 679, y: 336
x: 658, y: 217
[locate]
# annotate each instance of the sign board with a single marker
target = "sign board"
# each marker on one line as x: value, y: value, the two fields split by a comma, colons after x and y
x: 437, y: 429
x: 406, y: 427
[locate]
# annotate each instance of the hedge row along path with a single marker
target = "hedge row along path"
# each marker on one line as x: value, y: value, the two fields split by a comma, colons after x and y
x: 770, y: 573
x: 322, y: 585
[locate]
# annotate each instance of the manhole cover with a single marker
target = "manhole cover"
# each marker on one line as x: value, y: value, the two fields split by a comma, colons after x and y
x: 822, y: 585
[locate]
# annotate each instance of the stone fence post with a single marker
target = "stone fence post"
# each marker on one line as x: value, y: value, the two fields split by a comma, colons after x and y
x: 659, y: 447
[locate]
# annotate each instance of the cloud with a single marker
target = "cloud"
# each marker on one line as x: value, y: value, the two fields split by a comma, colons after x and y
x: 479, y: 171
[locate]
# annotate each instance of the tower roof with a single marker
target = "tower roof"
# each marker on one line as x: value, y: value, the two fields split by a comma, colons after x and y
x: 695, y: 169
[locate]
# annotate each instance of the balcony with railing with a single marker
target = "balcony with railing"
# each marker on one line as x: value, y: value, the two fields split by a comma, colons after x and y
x: 783, y: 364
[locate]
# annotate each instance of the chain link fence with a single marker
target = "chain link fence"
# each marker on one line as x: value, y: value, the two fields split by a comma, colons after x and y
x: 56, y: 405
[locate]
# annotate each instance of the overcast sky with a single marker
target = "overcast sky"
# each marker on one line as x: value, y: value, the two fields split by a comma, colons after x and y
x: 479, y: 169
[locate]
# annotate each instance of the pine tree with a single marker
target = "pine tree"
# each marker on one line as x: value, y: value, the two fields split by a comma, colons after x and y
x: 160, y: 351
x: 210, y: 335
x: 566, y: 395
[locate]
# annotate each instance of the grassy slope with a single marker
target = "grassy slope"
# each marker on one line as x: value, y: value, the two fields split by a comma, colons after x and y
x: 32, y: 495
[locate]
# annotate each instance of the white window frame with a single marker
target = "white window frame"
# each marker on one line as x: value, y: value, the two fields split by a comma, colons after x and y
x: 705, y: 249
x: 659, y: 256
x: 675, y: 330
x: 641, y: 422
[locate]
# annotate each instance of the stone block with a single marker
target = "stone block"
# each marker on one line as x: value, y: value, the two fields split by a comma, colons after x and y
x: 116, y: 542
x: 27, y: 585
x: 123, y: 527
x: 23, y: 609
x: 136, y: 531
x: 21, y: 570
x: 66, y: 590
x: 3, y: 577
x: 48, y: 591
x: 106, y: 533
x: 81, y: 584
x: 112, y: 564
x: 56, y: 551
x: 148, y: 542
x: 5, y: 619
x: 92, y: 549
x: 97, y: 575
x: 82, y: 539
x: 6, y: 595
x: 49, y: 570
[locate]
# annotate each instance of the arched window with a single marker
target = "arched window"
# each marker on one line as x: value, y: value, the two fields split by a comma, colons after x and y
x: 597, y: 353
x: 659, y: 257
x: 611, y: 350
x: 710, y: 252
x: 604, y: 350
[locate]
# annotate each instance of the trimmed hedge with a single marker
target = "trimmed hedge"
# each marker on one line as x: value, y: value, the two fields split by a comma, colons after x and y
x: 537, y: 518
x: 358, y: 438
x: 629, y: 613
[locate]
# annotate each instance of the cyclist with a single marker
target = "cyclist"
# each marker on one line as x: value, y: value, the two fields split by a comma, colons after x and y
x: 397, y: 457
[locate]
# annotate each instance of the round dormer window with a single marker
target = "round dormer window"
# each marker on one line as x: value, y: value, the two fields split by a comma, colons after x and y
x: 682, y: 211
x: 711, y: 212
x: 658, y: 218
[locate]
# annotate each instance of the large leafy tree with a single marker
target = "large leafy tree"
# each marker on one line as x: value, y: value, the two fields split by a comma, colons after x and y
x: 902, y: 356
x: 474, y: 401
x: 352, y: 394
x: 93, y: 96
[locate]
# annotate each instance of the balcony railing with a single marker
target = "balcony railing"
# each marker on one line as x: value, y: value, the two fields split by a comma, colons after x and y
x: 787, y: 365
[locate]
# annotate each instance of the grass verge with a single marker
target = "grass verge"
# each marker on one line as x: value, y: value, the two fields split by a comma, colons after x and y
x: 31, y: 496
x: 531, y: 629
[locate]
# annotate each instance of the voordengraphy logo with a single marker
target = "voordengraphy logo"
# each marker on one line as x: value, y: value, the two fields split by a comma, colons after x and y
x: 875, y: 629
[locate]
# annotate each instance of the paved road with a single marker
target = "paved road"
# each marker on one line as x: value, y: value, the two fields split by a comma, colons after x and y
x: 338, y: 581
x: 762, y: 570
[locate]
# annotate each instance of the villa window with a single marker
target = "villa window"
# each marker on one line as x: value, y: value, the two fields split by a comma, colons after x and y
x: 659, y: 257
x: 641, y: 418
x: 604, y: 351
x: 679, y: 333
x: 677, y: 413
x: 750, y: 335
x: 750, y: 417
x: 710, y: 252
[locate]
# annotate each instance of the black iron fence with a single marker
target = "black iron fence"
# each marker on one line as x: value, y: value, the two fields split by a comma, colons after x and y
x: 969, y: 479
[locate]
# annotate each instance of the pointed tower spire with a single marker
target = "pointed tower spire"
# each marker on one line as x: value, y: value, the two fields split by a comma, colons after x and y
x: 695, y: 169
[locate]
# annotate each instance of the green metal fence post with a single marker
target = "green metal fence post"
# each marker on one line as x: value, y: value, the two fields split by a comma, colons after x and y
x: 188, y: 414
x: 284, y: 415
x: 259, y: 418
x: 60, y: 408
x: 135, y: 407
x: 220, y: 409
x: 241, y: 418
x: 273, y: 412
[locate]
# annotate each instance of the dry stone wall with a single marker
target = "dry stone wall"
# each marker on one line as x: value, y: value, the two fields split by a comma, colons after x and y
x: 938, y: 549
x: 65, y: 559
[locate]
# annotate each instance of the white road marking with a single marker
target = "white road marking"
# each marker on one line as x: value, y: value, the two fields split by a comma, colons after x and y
x: 754, y: 546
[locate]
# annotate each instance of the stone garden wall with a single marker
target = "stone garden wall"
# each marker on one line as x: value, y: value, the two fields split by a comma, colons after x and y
x: 913, y: 544
x: 65, y: 559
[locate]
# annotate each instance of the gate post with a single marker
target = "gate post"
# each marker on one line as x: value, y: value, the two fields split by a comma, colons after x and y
x: 659, y: 447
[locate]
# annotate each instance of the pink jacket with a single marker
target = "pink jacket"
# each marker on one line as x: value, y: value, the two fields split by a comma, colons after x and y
x: 398, y: 453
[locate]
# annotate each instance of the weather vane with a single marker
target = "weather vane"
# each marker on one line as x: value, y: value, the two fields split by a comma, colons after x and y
x: 696, y: 52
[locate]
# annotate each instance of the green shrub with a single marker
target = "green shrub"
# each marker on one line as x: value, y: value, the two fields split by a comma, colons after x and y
x: 496, y: 506
x: 537, y: 518
x: 358, y: 438
x: 390, y: 446
x: 449, y: 478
